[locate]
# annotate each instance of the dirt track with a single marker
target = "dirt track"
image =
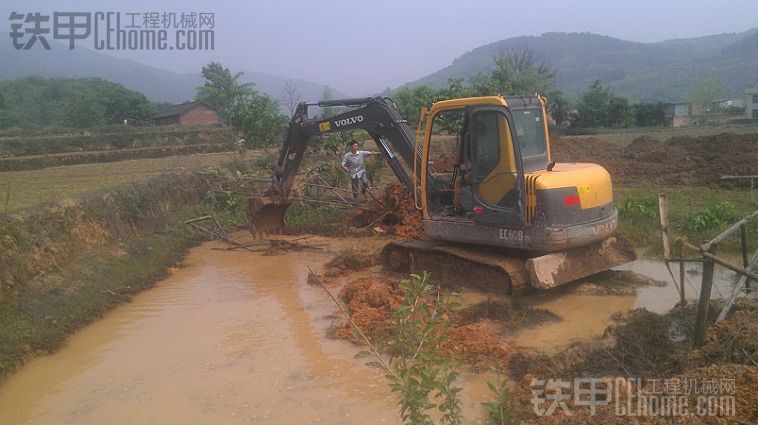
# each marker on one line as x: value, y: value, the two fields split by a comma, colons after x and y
x: 697, y: 161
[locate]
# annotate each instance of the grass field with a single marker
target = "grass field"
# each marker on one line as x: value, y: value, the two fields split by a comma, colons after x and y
x: 22, y: 189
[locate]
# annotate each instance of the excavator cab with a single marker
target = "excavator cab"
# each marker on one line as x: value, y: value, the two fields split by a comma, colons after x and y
x: 486, y: 175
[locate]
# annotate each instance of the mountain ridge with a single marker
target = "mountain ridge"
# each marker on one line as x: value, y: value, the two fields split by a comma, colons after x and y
x: 661, y: 70
x: 156, y: 83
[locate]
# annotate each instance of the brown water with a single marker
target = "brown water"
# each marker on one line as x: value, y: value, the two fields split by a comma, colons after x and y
x: 586, y: 316
x: 239, y: 338
x: 233, y: 338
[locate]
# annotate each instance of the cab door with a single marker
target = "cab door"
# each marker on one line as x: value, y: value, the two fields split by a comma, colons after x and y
x: 497, y: 170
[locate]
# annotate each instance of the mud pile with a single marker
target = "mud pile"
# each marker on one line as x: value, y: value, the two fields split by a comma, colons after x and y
x: 369, y: 302
x: 349, y: 261
x: 394, y: 213
x: 655, y: 348
x: 474, y: 333
x: 692, y: 161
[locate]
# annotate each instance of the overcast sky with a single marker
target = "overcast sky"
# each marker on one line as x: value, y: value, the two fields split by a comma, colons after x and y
x: 362, y: 47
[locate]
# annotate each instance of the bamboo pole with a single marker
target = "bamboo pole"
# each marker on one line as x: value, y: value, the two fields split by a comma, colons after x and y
x: 682, y: 298
x: 720, y: 261
x: 703, y: 303
x: 743, y: 281
x: 663, y: 209
x: 726, y: 233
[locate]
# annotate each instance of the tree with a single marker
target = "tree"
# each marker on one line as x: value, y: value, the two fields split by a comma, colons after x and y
x: 292, y: 96
x: 222, y: 90
x: 327, y: 111
x: 704, y: 91
x: 517, y: 72
x: 650, y: 114
x: 557, y: 106
x: 599, y: 107
x: 592, y: 109
x: 410, y: 100
x: 259, y: 119
x: 83, y: 110
x: 620, y: 113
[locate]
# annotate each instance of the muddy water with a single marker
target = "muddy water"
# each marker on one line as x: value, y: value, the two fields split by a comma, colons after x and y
x: 661, y: 299
x: 586, y: 316
x: 239, y: 338
x: 233, y: 338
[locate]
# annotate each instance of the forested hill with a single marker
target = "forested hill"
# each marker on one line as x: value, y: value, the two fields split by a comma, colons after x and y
x: 157, y: 84
x: 640, y: 71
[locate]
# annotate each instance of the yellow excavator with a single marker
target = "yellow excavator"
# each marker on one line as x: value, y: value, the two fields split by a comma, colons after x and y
x: 496, y: 208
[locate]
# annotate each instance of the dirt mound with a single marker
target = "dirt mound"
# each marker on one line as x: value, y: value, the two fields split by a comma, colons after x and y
x: 349, y: 261
x: 394, y: 212
x: 656, y: 348
x: 369, y: 302
x: 646, y: 148
x: 479, y: 343
x: 478, y: 340
x: 584, y: 149
x: 694, y: 161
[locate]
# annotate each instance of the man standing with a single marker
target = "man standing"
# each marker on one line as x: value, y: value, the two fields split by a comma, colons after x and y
x: 352, y: 162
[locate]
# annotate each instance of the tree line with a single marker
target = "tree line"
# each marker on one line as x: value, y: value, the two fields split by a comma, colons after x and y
x: 36, y: 102
x: 521, y: 72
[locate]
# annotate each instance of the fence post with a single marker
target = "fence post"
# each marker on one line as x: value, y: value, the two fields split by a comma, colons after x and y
x: 703, y: 302
x: 745, y: 264
x: 682, y: 298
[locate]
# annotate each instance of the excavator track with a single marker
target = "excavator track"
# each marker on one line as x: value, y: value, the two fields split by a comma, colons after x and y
x: 500, y: 271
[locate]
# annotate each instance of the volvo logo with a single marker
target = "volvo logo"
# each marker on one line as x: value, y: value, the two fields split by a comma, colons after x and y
x: 348, y: 121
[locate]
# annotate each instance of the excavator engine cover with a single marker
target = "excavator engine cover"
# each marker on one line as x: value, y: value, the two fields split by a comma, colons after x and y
x: 265, y: 215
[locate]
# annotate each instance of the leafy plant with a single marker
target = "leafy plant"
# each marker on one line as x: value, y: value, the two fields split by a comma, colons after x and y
x: 422, y: 375
x: 638, y: 207
x: 499, y: 410
x: 713, y: 217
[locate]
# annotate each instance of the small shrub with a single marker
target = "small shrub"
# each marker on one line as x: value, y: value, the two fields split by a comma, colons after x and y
x: 421, y: 371
x: 499, y: 411
x: 266, y: 160
x: 713, y: 217
x: 638, y: 208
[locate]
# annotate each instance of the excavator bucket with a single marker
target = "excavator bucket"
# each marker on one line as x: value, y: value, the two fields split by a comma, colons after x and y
x: 265, y: 215
x: 550, y: 270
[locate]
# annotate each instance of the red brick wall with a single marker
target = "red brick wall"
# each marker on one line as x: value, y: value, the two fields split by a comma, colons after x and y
x: 199, y: 115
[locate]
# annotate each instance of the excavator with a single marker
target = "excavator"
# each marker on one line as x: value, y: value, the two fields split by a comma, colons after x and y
x: 496, y: 208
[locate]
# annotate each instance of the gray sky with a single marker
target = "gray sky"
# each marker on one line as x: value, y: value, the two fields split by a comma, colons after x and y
x: 362, y: 47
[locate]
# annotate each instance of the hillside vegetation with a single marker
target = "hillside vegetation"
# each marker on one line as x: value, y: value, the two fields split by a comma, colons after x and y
x: 639, y: 71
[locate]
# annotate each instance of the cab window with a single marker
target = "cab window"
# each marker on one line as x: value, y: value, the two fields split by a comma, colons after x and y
x: 486, y: 142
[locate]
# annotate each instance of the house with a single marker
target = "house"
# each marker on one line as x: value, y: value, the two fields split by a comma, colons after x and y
x: 751, y: 103
x: 679, y: 114
x: 727, y: 104
x: 188, y: 113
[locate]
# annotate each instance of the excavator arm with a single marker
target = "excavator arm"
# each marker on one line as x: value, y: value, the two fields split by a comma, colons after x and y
x: 376, y: 115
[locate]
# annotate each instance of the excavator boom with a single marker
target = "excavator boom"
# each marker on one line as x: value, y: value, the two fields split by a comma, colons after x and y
x: 375, y: 115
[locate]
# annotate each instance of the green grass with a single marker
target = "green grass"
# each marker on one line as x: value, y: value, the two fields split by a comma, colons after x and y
x: 696, y: 212
x: 23, y: 189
